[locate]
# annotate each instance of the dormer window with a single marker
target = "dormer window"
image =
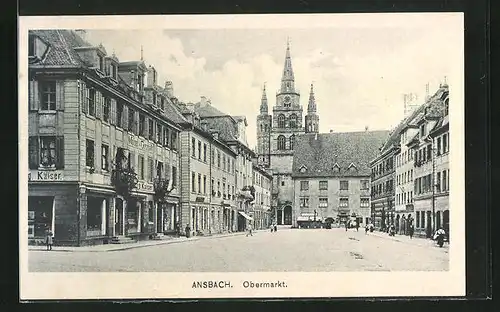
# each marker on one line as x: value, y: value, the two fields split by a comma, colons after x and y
x: 352, y: 167
x: 31, y: 46
x: 336, y: 168
x: 303, y: 168
x: 154, y: 98
x: 101, y: 63
x: 113, y: 71
x: 36, y: 47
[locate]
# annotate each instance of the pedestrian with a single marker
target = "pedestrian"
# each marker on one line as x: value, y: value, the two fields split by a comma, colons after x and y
x: 357, y: 226
x: 49, y: 239
x: 275, y: 228
x: 366, y: 228
x: 346, y: 225
x: 411, y: 230
x: 249, y: 229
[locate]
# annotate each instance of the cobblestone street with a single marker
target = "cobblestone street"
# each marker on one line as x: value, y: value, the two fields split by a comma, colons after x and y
x: 286, y: 250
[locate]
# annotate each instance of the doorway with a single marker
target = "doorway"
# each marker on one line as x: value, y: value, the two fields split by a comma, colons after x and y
x: 288, y: 215
x: 279, y: 217
x: 159, y: 218
x: 119, y: 216
x: 429, y: 225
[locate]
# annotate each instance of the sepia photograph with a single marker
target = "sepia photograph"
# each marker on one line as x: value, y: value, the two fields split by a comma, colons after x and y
x: 238, y: 157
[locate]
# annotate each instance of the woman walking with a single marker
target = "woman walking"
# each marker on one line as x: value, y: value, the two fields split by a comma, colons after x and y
x: 49, y: 239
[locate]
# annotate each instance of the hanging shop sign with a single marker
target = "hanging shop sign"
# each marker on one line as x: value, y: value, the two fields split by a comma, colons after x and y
x: 40, y: 175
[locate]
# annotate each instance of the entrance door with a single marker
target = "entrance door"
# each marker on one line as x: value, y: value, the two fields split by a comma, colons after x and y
x: 119, y: 217
x: 279, y: 218
x: 429, y: 224
x: 288, y: 215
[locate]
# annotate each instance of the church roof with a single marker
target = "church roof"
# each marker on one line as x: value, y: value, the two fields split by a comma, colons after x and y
x: 336, y: 154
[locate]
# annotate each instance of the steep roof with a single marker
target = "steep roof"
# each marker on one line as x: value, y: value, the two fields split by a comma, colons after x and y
x: 61, y: 47
x: 225, y: 126
x: 208, y: 110
x: 318, y: 154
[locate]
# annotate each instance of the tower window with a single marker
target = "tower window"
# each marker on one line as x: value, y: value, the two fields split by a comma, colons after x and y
x: 293, y: 121
x: 281, y: 142
x: 281, y: 121
x: 292, y: 141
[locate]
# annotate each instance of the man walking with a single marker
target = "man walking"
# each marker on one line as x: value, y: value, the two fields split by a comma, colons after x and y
x: 249, y: 228
x: 411, y: 230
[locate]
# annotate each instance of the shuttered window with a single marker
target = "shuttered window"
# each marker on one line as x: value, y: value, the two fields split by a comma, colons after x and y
x: 46, y: 151
x: 48, y: 95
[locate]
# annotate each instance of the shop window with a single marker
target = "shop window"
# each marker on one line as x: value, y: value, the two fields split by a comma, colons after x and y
x: 105, y: 157
x: 344, y: 185
x: 304, y: 185
x: 48, y: 89
x: 94, y: 216
x: 89, y: 160
x: 150, y: 211
x: 133, y: 216
x: 40, y: 215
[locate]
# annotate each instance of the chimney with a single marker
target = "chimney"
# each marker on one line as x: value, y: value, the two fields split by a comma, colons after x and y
x: 190, y: 106
x: 331, y: 131
x: 366, y: 128
x: 82, y: 33
x: 169, y: 88
x: 203, y: 101
x: 215, y: 134
x: 151, y: 76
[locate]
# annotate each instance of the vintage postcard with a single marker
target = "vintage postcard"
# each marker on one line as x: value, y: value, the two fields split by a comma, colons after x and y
x: 241, y: 156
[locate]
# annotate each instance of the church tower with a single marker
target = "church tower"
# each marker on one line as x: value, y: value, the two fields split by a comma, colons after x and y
x: 312, y: 118
x: 264, y: 121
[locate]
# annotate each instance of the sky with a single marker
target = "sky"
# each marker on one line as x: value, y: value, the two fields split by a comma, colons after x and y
x: 360, y: 70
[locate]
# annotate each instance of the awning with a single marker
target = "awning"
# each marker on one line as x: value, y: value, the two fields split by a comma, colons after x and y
x: 245, y: 215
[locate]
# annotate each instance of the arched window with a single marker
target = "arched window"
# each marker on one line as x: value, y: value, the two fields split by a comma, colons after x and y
x: 281, y: 142
x: 292, y: 141
x: 261, y: 127
x: 293, y: 121
x: 281, y: 121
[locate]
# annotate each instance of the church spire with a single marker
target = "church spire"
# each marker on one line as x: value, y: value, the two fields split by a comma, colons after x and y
x: 263, y: 101
x: 311, y: 107
x: 287, y: 80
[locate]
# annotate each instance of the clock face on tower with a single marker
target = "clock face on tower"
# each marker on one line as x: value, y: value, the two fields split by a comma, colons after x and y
x: 287, y: 99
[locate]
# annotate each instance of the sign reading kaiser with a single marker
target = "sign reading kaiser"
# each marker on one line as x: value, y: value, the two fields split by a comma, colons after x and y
x: 40, y: 175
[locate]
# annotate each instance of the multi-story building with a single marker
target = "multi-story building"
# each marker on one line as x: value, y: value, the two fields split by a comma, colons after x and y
x: 102, y: 145
x: 207, y: 178
x: 262, y: 181
x: 276, y: 137
x: 232, y: 131
x: 331, y: 176
x: 431, y: 171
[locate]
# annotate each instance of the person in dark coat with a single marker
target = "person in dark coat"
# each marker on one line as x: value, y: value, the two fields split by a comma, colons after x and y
x: 49, y: 239
x: 346, y: 225
x: 411, y: 230
x: 275, y: 227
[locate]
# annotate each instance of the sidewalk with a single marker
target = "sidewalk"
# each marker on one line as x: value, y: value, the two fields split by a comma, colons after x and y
x: 422, y: 242
x: 147, y: 243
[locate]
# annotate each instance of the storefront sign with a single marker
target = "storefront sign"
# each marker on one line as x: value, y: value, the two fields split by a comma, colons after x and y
x: 140, y: 143
x: 40, y: 175
x: 144, y: 186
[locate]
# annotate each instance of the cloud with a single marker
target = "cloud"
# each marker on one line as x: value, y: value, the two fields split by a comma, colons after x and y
x: 358, y: 82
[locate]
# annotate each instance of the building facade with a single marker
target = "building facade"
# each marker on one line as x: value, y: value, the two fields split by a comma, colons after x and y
x: 99, y: 145
x: 431, y: 172
x: 262, y: 182
x: 276, y: 136
x: 331, y: 177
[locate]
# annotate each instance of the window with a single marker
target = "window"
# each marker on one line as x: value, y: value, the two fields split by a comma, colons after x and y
x: 438, y: 182
x: 113, y: 71
x: 119, y: 114
x: 174, y: 176
x: 293, y: 121
x: 154, y: 99
x: 141, y: 167
x: 162, y: 103
x: 212, y: 156
x: 193, y: 183
x: 224, y: 189
x: 218, y: 159
x: 173, y: 141
x: 199, y: 183
x: 281, y: 121
x: 446, y: 107
x: 344, y: 202
x: 323, y: 203
x: 166, y: 135
x: 212, y: 187
x: 89, y: 160
x: 205, y: 152
x: 422, y: 131
x: 417, y: 219
x: 365, y: 184
x: 445, y: 143
x: 204, y: 184
x: 104, y: 157
x: 193, y: 147
x: 323, y: 185
x: 91, y: 101
x: 142, y: 125
x: 438, y: 146
x: 151, y: 129
x: 48, y: 89
x: 150, y: 169
x: 106, y: 109
x: 31, y: 46
x: 281, y: 142
x: 292, y: 141
x: 304, y: 185
x: 199, y: 150
x: 48, y: 151
x: 304, y: 201
x: 282, y: 183
x: 429, y: 153
x: 364, y: 203
x: 159, y: 133
x: 445, y: 181
x: 344, y: 185
x: 131, y: 123
x: 159, y: 169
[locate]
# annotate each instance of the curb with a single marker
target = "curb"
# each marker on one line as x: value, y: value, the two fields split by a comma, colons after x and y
x: 139, y: 245
x: 402, y: 241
